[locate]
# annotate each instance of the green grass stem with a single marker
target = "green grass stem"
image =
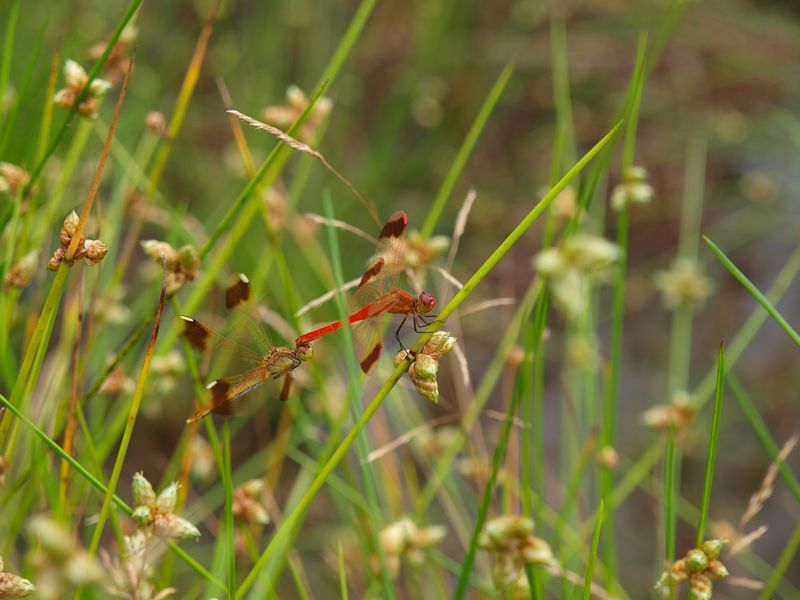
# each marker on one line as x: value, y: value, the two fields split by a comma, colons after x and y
x: 712, y: 447
x: 598, y: 524
x: 465, y: 151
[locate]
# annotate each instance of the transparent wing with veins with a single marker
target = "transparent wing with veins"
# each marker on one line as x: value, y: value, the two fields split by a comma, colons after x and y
x: 373, y: 293
x: 272, y: 363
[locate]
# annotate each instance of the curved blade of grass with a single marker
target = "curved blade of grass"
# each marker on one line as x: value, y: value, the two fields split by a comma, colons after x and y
x: 712, y: 446
x: 132, y: 414
x: 284, y: 535
x: 98, y: 485
x: 754, y: 291
x: 112, y: 41
x: 598, y: 524
x: 465, y: 151
x: 488, y: 491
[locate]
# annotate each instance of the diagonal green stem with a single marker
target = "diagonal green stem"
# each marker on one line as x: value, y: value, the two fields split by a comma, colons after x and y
x: 754, y: 291
x: 134, y: 411
x: 464, y: 152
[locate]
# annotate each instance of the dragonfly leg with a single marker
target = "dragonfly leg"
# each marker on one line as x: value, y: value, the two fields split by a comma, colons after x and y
x: 397, y: 333
x: 426, y: 322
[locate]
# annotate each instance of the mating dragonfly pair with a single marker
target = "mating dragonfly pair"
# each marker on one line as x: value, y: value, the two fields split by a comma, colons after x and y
x: 376, y: 296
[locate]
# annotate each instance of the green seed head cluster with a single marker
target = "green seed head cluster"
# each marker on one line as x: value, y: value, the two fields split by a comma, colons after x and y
x: 572, y: 269
x: 510, y: 539
x: 700, y: 567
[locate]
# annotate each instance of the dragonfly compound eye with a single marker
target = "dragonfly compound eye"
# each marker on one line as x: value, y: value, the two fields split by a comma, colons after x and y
x: 426, y: 302
x: 304, y: 351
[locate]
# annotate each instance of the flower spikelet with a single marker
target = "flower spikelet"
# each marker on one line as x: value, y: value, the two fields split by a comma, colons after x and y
x: 155, y: 515
x: 511, y: 541
x: 76, y: 79
x: 425, y: 364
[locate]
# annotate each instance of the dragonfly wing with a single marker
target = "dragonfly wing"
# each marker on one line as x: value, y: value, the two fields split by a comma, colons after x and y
x: 238, y: 291
x: 203, y: 337
x: 395, y: 227
x: 225, y: 391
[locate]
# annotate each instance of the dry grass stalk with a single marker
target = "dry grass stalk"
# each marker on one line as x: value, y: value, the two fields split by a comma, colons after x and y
x: 460, y: 226
x: 763, y: 493
x: 296, y: 144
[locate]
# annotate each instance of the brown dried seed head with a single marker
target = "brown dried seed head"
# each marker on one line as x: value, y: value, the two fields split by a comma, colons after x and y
x: 58, y: 257
x: 95, y: 251
x: 155, y: 122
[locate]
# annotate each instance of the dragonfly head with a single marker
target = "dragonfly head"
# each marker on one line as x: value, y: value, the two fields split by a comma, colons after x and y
x: 425, y: 302
x: 304, y: 351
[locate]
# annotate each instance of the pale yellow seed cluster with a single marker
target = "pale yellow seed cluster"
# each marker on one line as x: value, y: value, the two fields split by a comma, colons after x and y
x: 425, y: 365
x: 677, y: 415
x: 156, y: 514
x: 76, y: 78
x: 404, y: 540
x: 700, y: 567
x: 58, y: 562
x: 511, y: 541
x: 634, y: 189
x: 21, y: 274
x: 571, y: 270
x: 248, y: 505
x: 418, y: 251
x: 131, y: 570
x: 13, y: 178
x: 182, y: 264
x: 89, y: 251
x: 13, y: 586
x: 284, y: 115
x: 167, y: 371
x: 683, y: 284
x: 119, y: 59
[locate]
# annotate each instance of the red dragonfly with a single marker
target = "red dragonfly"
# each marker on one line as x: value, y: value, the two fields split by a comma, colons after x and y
x: 378, y: 295
x: 276, y: 362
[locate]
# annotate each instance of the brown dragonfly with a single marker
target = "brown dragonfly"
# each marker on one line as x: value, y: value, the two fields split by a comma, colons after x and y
x: 276, y: 362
